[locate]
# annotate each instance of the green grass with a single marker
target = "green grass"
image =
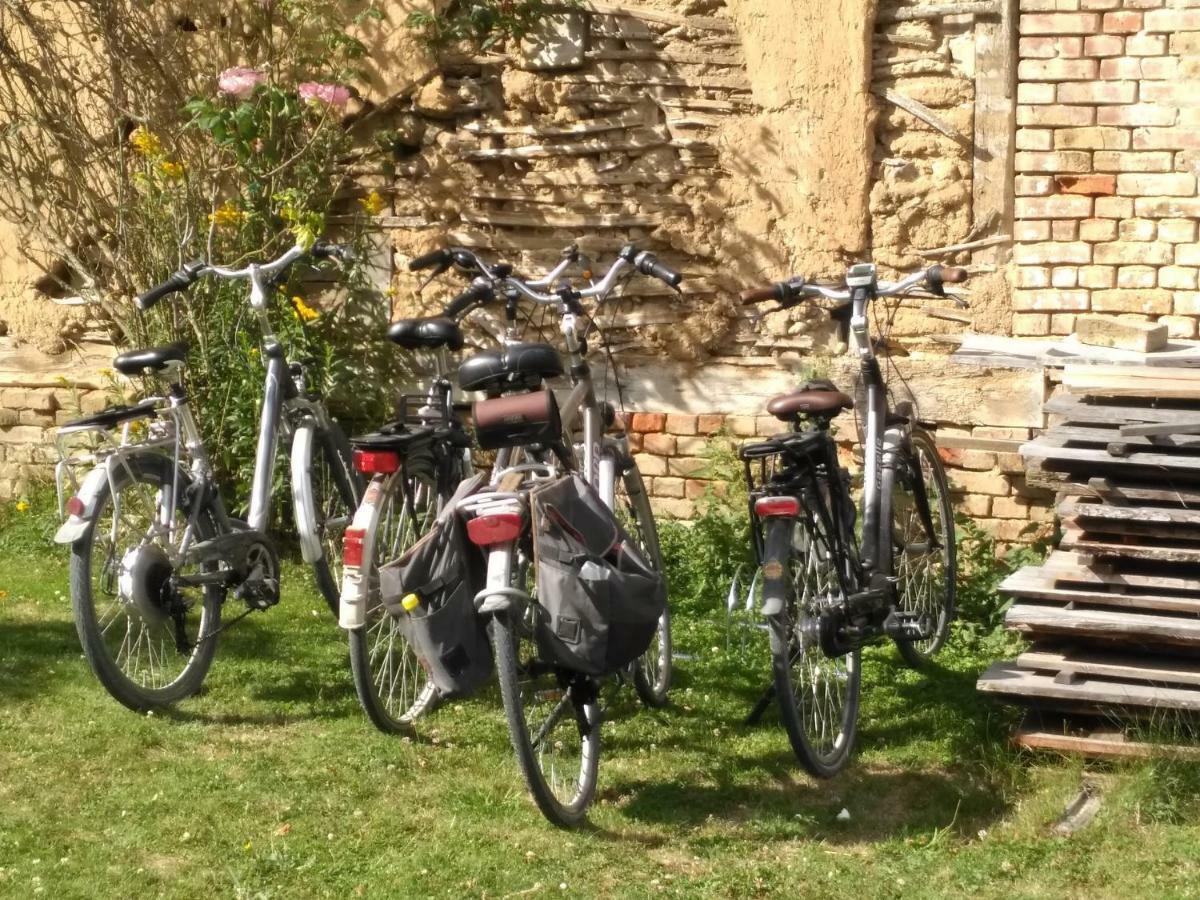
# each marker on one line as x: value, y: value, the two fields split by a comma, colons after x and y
x: 272, y: 784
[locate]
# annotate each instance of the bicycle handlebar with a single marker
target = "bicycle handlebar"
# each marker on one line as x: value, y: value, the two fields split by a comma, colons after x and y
x: 789, y: 293
x: 192, y: 272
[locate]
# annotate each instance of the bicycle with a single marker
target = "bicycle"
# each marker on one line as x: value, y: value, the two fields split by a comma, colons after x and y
x: 414, y: 464
x: 153, y: 550
x: 552, y: 709
x: 826, y: 593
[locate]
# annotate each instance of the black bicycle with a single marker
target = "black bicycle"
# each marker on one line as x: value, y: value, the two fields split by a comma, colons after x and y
x: 826, y: 591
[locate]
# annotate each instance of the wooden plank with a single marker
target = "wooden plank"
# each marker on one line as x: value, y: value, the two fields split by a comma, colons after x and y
x: 1139, y: 514
x: 1075, y: 539
x: 1122, y: 666
x: 1074, y: 409
x: 995, y: 125
x: 1189, y: 427
x: 1028, y: 586
x: 1098, y: 747
x: 1045, y: 450
x: 994, y: 445
x: 939, y: 10
x: 1085, y: 434
x: 1078, y: 568
x: 1119, y: 381
x: 1006, y: 680
x: 1104, y: 624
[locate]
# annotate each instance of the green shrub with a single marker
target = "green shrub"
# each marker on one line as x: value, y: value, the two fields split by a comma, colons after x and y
x: 981, y: 606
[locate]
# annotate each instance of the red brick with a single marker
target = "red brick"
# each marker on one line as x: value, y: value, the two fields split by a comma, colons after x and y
x: 681, y: 424
x: 1160, y: 67
x: 1122, y: 22
x: 1110, y: 161
x: 1145, y: 45
x: 1172, y: 20
x: 1063, y: 23
x: 1064, y: 230
x: 648, y: 422
x: 709, y: 424
x: 1086, y: 184
x: 1137, y: 114
x: 1173, y: 93
x: 1093, y: 137
x: 1057, y: 69
x: 1098, y: 92
x: 660, y: 444
x: 1053, y: 207
x: 1049, y: 47
x: 1165, y: 138
x: 1103, y: 45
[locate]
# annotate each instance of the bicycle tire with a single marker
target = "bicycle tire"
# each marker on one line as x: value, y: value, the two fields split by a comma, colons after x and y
x: 652, y: 671
x: 157, y: 472
x: 325, y: 482
x: 380, y: 656
x: 802, y: 672
x: 917, y: 588
x: 524, y: 682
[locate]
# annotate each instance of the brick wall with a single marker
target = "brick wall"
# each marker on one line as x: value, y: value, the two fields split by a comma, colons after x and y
x: 1108, y: 150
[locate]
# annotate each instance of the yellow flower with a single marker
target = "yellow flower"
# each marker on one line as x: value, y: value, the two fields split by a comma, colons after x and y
x: 145, y: 142
x: 228, y: 214
x: 373, y: 203
x: 303, y: 311
x: 171, y: 170
x: 22, y: 506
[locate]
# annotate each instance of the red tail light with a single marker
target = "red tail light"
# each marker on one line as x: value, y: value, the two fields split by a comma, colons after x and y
x: 76, y: 507
x: 776, y: 506
x: 352, y: 546
x: 497, y: 528
x: 376, y: 462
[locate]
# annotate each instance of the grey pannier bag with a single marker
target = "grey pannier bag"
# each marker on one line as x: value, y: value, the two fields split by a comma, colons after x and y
x: 444, y: 570
x: 601, y: 597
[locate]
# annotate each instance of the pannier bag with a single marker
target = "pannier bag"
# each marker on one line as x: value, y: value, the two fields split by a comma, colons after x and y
x: 431, y: 591
x: 600, y: 597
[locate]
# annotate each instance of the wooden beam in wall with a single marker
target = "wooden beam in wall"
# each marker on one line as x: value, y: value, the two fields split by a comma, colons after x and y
x: 995, y: 124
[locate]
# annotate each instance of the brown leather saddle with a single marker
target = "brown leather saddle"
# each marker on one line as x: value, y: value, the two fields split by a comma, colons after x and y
x: 817, y: 398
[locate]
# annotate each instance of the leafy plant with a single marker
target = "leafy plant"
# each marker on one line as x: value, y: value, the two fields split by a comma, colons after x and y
x: 481, y: 22
x: 981, y: 606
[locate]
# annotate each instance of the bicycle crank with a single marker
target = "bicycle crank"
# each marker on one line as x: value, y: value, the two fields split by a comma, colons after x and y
x: 258, y: 586
x: 909, y: 626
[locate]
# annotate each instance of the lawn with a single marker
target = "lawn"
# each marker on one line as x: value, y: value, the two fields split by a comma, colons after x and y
x: 272, y: 784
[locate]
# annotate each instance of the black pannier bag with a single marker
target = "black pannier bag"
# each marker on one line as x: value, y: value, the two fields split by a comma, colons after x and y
x: 600, y: 597
x: 444, y: 570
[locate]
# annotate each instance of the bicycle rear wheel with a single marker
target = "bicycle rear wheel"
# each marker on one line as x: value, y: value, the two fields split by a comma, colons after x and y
x: 925, y: 569
x: 553, y: 718
x: 818, y: 695
x: 652, y: 672
x: 393, y: 689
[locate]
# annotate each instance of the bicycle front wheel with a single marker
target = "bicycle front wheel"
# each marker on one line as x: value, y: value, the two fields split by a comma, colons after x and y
x: 925, y: 564
x: 652, y: 671
x: 393, y: 688
x: 148, y: 637
x: 325, y: 492
x: 553, y: 719
x: 818, y: 694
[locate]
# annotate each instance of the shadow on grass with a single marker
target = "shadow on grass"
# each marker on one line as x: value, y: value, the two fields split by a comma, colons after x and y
x: 36, y: 658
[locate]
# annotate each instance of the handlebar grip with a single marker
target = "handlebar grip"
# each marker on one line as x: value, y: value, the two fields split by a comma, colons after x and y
x: 479, y: 292
x: 954, y: 274
x: 649, y: 264
x: 439, y: 257
x: 180, y: 281
x: 760, y: 295
x: 327, y: 250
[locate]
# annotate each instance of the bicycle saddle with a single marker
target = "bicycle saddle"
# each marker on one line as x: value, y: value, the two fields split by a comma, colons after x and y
x: 426, y: 334
x: 816, y: 398
x: 515, y: 366
x: 150, y: 359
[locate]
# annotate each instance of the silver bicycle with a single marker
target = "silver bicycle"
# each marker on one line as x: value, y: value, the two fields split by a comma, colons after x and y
x: 154, y: 553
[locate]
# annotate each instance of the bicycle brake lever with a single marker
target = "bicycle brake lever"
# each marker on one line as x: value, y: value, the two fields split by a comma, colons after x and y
x: 439, y: 269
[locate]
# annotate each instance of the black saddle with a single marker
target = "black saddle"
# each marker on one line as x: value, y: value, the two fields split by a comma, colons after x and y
x: 150, y: 359
x: 426, y: 334
x: 515, y: 367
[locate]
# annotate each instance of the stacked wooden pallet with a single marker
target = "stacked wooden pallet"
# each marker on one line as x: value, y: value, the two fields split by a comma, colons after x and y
x: 1114, y: 612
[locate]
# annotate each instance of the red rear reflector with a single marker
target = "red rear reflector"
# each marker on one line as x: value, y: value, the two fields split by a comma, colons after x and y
x: 776, y: 506
x: 376, y: 462
x: 76, y: 507
x: 497, y: 528
x: 352, y: 546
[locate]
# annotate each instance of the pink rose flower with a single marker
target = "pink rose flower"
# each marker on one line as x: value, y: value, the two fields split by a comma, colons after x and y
x: 239, y: 82
x: 335, y: 95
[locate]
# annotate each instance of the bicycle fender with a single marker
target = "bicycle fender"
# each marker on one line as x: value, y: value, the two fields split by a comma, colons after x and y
x: 777, y: 547
x: 303, y: 444
x: 73, y: 528
x: 352, y: 610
